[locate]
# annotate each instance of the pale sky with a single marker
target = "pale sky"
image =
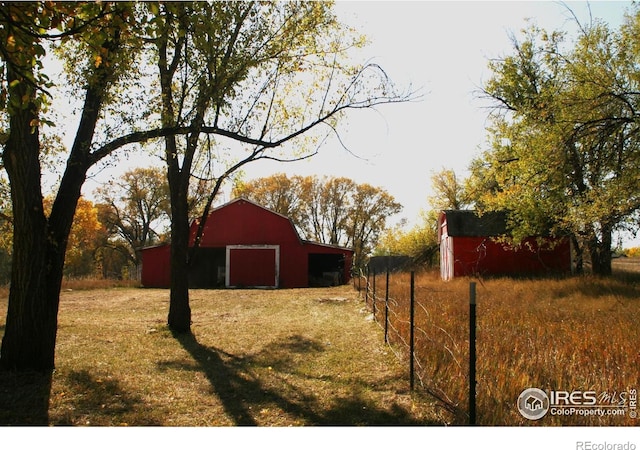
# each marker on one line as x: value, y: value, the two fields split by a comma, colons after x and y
x: 442, y: 47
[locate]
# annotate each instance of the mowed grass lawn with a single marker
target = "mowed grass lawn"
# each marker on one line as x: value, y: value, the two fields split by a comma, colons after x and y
x: 256, y: 357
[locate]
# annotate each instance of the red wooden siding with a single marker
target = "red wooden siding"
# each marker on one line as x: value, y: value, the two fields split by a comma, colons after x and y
x: 253, y: 266
x: 469, y: 245
x: 485, y: 257
x: 242, y: 222
x: 155, y: 266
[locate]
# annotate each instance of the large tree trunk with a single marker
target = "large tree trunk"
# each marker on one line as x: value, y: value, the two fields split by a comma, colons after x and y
x: 39, y: 247
x: 600, y: 252
x: 31, y: 326
x: 179, y: 319
x: 39, y: 244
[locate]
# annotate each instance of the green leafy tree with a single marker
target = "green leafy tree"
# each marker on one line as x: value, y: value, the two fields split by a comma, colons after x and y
x: 39, y: 241
x: 143, y: 72
x: 100, y: 45
x: 565, y: 155
x: 260, y: 79
x: 449, y: 191
x: 420, y: 242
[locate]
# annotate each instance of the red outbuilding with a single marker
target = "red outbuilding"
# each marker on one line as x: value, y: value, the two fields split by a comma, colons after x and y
x: 470, y: 245
x: 247, y: 245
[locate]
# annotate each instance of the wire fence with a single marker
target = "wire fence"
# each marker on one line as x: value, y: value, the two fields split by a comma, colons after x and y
x: 438, y: 362
x: 554, y: 334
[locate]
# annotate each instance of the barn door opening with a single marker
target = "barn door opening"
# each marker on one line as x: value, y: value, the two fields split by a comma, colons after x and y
x: 207, y: 269
x: 253, y: 266
x: 326, y: 269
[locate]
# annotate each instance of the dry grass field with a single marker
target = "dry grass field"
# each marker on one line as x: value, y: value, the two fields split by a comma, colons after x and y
x: 313, y: 356
x: 571, y: 334
x: 256, y: 357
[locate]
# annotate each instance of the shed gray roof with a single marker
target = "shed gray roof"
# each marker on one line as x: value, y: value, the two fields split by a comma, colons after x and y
x: 470, y: 223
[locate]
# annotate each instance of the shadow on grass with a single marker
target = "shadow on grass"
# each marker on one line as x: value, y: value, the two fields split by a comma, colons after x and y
x: 623, y: 285
x: 242, y: 394
x: 104, y: 401
x: 24, y: 398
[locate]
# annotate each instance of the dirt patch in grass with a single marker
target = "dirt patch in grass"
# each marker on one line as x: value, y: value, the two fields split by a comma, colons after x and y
x: 256, y: 357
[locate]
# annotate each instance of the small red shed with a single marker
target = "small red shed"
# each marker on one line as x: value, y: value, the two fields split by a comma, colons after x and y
x: 469, y: 246
x: 247, y: 245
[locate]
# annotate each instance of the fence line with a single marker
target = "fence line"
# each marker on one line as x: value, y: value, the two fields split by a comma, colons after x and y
x: 405, y: 334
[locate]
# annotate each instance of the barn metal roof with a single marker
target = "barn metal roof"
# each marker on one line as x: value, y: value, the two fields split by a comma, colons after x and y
x: 471, y: 223
x: 246, y: 200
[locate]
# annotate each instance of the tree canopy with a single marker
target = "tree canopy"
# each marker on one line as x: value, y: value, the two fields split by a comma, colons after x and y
x: 330, y: 210
x: 220, y: 81
x: 565, y: 153
x: 252, y: 81
x: 135, y: 209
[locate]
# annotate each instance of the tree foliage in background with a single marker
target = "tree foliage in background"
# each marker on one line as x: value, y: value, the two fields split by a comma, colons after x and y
x: 420, y: 242
x: 449, y: 192
x: 251, y: 81
x: 135, y: 210
x: 84, y: 239
x: 287, y: 195
x: 84, y: 242
x: 6, y: 231
x: 330, y: 210
x: 565, y: 154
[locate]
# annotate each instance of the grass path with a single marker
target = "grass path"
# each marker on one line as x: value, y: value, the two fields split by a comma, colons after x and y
x: 267, y: 358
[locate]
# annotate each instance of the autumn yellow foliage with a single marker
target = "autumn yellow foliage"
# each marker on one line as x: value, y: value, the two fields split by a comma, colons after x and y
x: 83, y: 239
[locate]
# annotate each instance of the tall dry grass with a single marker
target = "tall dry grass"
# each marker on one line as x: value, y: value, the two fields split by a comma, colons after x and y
x: 578, y: 333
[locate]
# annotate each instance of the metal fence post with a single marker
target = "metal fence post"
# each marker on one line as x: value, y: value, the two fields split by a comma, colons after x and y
x: 386, y: 310
x: 373, y: 301
x: 411, y: 330
x: 366, y: 291
x: 472, y: 353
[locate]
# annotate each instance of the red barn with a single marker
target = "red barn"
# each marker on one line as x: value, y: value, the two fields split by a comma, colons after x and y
x: 468, y: 246
x: 247, y: 245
